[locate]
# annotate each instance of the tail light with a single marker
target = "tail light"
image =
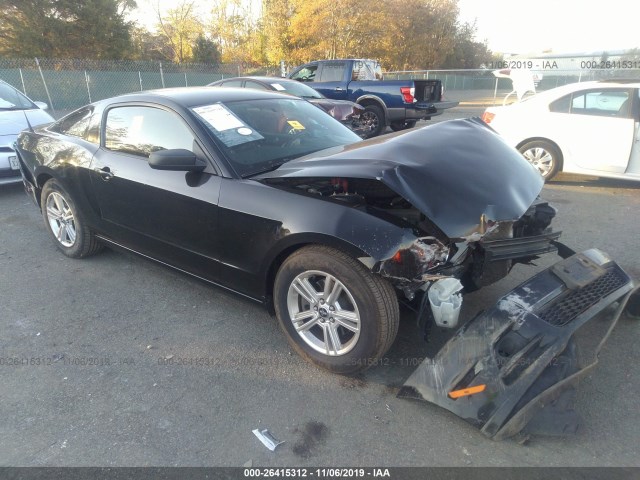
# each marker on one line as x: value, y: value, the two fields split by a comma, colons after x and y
x: 408, y: 94
x: 487, y: 117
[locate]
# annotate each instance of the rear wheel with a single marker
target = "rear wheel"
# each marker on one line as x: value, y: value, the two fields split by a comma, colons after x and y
x: 373, y: 119
x: 65, y: 224
x: 334, y: 312
x: 542, y: 155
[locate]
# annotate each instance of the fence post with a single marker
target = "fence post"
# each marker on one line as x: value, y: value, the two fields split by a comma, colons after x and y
x: 86, y: 78
x: 24, y: 89
x: 186, y: 84
x: 46, y: 89
x: 161, y: 74
x: 140, y: 78
x: 495, y: 92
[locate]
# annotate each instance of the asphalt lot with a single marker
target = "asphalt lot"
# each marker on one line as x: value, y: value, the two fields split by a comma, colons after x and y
x: 99, y: 389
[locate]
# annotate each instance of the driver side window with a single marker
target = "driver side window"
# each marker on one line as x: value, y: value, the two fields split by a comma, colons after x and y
x: 306, y: 74
x: 143, y: 130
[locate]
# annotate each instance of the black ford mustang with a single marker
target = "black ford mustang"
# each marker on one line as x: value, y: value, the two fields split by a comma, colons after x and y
x: 266, y: 195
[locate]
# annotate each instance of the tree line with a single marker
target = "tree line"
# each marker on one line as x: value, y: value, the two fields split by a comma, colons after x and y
x: 402, y: 34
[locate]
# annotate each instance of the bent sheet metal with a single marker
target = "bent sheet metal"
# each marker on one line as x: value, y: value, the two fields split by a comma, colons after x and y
x: 513, y: 369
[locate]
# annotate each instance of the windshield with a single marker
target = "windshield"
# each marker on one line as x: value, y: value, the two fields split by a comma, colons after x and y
x: 260, y: 135
x: 11, y: 99
x: 296, y: 88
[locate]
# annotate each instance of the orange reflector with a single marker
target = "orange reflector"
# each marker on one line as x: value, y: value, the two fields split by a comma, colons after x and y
x: 487, y: 117
x: 467, y: 391
x: 397, y: 258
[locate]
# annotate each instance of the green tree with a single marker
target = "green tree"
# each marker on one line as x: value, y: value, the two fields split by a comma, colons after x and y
x: 233, y: 26
x: 467, y: 51
x: 180, y: 28
x: 274, y: 29
x: 206, y: 50
x: 65, y: 28
x: 146, y: 45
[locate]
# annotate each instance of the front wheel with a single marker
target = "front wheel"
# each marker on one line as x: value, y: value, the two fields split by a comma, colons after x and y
x: 542, y: 155
x: 65, y: 224
x: 333, y: 311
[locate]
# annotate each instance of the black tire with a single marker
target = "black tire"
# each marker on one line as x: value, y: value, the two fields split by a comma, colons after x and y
x: 83, y: 243
x: 537, y: 152
x: 373, y: 118
x: 374, y: 302
x: 402, y: 125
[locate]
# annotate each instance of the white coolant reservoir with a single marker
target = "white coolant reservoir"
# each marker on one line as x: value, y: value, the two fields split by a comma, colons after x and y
x: 445, y: 297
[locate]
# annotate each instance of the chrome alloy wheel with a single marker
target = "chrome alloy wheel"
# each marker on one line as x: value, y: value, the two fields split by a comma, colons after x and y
x: 541, y: 159
x: 323, y: 313
x: 61, y: 219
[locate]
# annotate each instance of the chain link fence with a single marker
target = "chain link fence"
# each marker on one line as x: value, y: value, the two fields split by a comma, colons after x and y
x: 68, y: 84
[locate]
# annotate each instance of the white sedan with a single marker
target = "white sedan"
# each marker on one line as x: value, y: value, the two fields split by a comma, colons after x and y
x: 17, y: 112
x: 589, y: 128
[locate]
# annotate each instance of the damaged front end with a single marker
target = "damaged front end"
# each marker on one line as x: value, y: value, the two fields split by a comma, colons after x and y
x: 435, y: 220
x: 513, y: 369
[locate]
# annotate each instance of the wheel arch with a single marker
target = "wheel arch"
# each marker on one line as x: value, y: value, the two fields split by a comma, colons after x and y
x: 551, y: 142
x: 366, y: 100
x: 41, y: 178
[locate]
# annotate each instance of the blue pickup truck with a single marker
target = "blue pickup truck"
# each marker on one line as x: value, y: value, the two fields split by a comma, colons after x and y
x: 395, y: 103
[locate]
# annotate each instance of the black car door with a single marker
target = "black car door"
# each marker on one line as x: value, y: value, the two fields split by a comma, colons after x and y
x: 168, y: 215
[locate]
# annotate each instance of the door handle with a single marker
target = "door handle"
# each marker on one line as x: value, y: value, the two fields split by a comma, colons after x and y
x: 339, y: 89
x: 105, y: 173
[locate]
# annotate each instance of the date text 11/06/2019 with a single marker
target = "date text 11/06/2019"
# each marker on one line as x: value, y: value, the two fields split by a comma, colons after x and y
x: 320, y: 473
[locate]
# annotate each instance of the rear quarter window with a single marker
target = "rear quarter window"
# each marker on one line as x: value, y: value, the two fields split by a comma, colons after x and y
x: 75, y: 124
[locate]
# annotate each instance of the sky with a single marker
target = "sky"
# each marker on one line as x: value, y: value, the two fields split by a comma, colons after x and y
x: 520, y: 26
x: 564, y: 26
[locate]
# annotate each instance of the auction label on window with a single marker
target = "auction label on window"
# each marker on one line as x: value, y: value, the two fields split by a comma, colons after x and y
x: 228, y: 128
x: 219, y: 117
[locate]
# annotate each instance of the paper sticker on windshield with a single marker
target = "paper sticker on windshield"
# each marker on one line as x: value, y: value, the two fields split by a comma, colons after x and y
x: 219, y: 117
x: 296, y: 125
x: 277, y: 86
x: 227, y: 128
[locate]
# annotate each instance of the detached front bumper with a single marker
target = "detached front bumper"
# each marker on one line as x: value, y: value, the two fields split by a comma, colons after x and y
x: 514, y: 367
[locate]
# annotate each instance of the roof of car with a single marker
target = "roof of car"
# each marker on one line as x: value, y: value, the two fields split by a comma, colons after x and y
x: 572, y: 87
x: 557, y: 92
x: 193, y: 96
x: 257, y: 78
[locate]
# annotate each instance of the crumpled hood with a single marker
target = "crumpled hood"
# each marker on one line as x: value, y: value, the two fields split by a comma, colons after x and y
x: 453, y: 172
x: 12, y: 122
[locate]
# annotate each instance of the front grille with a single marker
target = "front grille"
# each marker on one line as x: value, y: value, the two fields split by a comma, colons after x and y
x: 575, y: 302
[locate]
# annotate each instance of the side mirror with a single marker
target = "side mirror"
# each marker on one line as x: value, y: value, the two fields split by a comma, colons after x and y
x: 42, y: 105
x: 177, y: 159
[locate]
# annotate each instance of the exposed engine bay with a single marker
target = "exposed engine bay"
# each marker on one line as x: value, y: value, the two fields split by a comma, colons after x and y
x: 480, y: 258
